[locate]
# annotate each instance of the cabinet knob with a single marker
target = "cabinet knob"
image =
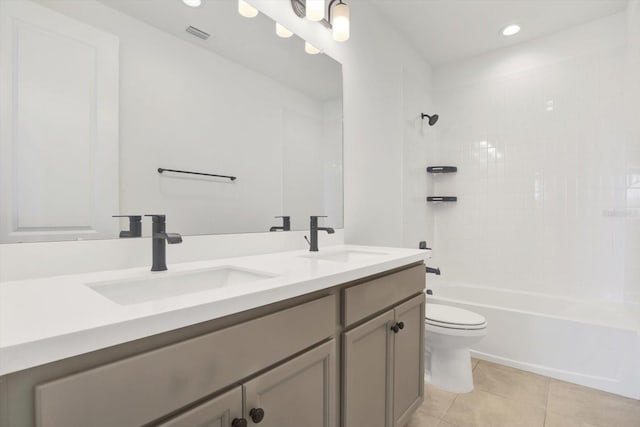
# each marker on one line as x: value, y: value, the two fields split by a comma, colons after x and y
x: 395, y: 328
x: 256, y: 414
x: 239, y: 422
x: 401, y: 325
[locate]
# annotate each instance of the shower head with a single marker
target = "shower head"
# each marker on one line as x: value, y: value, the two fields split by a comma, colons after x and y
x: 433, y: 119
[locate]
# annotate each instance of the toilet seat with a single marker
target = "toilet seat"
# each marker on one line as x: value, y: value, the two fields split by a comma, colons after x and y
x: 446, y: 316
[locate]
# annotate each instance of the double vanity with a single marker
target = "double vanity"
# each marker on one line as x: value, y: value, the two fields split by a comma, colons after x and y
x: 332, y: 338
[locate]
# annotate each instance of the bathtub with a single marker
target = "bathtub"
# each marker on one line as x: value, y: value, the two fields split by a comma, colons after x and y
x: 591, y: 344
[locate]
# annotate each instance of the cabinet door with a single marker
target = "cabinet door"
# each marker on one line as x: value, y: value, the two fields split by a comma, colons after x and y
x: 218, y: 412
x: 302, y: 392
x: 367, y: 373
x: 408, y: 360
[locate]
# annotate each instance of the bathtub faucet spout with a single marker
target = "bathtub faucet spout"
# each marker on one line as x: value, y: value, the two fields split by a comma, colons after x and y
x: 435, y: 271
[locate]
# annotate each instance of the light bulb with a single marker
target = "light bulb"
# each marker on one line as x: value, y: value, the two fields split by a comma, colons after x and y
x: 282, y: 31
x: 340, y: 22
x: 311, y: 49
x: 246, y: 10
x: 192, y: 3
x: 315, y: 10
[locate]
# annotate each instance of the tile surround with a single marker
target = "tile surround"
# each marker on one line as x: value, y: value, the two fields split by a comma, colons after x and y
x: 547, y: 177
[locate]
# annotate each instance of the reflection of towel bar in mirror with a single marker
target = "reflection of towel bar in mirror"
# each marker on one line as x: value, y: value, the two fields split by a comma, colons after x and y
x: 232, y: 178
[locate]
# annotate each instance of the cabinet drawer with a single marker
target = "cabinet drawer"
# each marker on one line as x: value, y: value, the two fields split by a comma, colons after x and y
x: 366, y: 299
x: 137, y: 390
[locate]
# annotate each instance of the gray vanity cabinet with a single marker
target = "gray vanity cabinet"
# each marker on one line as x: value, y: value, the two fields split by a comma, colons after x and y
x: 367, y: 352
x: 217, y: 412
x: 408, y: 360
x: 301, y: 392
x: 384, y: 367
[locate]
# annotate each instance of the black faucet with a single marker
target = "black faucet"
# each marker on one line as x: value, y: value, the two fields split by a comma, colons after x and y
x: 160, y: 238
x: 313, y: 244
x: 286, y: 224
x: 435, y: 271
x: 135, y: 226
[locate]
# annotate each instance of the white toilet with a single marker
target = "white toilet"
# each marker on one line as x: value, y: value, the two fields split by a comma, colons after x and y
x: 449, y: 332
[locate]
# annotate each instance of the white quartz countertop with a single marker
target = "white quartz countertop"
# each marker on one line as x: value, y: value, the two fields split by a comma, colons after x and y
x: 52, y: 318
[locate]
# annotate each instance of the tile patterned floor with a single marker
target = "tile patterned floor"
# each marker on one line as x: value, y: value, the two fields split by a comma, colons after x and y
x: 507, y: 397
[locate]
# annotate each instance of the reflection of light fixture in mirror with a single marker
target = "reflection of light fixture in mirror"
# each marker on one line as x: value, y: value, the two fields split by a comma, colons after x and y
x: 311, y: 49
x: 340, y: 22
x: 337, y: 13
x: 314, y: 10
x: 192, y: 3
x: 283, y: 32
x: 246, y: 10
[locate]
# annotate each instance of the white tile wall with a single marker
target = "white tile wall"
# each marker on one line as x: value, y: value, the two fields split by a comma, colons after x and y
x: 549, y: 170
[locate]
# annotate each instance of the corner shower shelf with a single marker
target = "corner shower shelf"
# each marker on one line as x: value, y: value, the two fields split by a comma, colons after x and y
x: 439, y: 199
x: 442, y: 169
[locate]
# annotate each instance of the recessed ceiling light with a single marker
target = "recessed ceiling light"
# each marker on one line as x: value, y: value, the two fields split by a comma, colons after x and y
x: 511, y: 30
x: 192, y: 3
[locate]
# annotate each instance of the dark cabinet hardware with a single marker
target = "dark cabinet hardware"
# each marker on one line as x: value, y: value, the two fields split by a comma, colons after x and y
x: 257, y: 415
x: 286, y: 224
x: 442, y: 199
x: 239, y: 422
x: 397, y: 327
x: 442, y: 169
x: 135, y: 226
x: 313, y: 226
x: 160, y: 238
x: 232, y: 178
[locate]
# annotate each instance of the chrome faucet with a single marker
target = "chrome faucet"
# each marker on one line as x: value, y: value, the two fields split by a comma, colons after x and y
x: 313, y: 244
x: 160, y: 238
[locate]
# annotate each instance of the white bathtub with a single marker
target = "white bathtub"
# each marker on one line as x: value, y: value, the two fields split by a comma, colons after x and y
x: 595, y: 345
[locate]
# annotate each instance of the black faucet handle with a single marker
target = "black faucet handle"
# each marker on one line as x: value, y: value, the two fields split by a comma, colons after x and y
x: 319, y: 216
x: 135, y: 226
x: 157, y: 217
x: 423, y: 245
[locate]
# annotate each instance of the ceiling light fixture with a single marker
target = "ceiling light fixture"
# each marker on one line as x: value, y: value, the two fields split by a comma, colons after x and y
x: 336, y: 12
x: 282, y: 31
x: 311, y: 49
x: 192, y: 3
x: 246, y: 10
x: 511, y: 30
x: 341, y: 23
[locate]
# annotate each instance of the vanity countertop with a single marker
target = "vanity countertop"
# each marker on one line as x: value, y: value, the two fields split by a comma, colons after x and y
x: 48, y: 319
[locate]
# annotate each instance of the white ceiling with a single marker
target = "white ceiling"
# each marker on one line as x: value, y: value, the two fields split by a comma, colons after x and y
x: 448, y: 30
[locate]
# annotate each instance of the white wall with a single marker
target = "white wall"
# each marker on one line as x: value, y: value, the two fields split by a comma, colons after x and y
x: 375, y: 61
x: 632, y: 222
x: 545, y: 157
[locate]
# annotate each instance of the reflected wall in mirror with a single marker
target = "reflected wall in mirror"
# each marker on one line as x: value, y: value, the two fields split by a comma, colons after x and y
x: 96, y: 95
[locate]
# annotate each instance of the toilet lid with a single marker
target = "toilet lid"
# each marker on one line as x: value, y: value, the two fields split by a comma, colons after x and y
x: 440, y: 314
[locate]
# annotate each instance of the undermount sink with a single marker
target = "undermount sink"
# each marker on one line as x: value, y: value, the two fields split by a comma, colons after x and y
x: 168, y: 284
x: 345, y: 256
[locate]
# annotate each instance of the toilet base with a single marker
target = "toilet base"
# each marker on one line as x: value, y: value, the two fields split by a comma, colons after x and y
x: 449, y: 370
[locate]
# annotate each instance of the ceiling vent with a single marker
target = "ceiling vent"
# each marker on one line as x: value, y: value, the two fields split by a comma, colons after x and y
x: 198, y: 33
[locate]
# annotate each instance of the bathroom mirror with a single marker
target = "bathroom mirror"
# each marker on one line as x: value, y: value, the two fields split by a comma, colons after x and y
x: 97, y: 95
